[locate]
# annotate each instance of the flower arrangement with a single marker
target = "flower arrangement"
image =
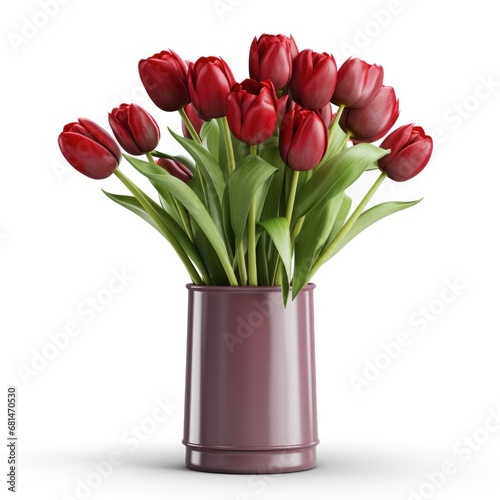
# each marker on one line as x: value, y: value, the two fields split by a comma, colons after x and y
x: 260, y: 199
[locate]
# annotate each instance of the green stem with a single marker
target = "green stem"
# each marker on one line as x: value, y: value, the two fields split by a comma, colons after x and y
x: 297, y: 227
x: 229, y: 145
x: 288, y: 215
x: 189, y: 126
x: 252, y: 247
x: 242, y: 267
x: 138, y: 194
x: 184, y: 218
x: 291, y: 196
x: 345, y: 141
x: 325, y: 256
x: 335, y: 122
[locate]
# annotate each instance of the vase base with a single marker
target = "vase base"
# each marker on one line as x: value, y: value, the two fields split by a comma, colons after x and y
x: 251, y: 462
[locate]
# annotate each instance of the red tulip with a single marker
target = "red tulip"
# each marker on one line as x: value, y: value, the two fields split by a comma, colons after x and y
x: 134, y: 128
x: 372, y: 122
x: 164, y: 77
x: 195, y: 120
x: 175, y: 168
x: 271, y: 58
x: 303, y: 139
x: 251, y: 111
x: 410, y: 152
x: 89, y: 149
x: 357, y: 84
x: 210, y: 81
x: 313, y: 79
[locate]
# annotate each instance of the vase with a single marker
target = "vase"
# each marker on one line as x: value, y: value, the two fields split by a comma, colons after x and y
x: 250, y: 400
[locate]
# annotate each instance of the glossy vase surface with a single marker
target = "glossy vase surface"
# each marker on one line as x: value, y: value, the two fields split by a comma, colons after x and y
x: 250, y: 403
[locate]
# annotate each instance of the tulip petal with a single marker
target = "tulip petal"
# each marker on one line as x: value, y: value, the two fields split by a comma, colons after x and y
x: 102, y: 137
x: 87, y: 156
x: 144, y: 128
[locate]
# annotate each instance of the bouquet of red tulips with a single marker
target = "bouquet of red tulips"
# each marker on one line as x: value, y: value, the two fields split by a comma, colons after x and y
x: 260, y: 198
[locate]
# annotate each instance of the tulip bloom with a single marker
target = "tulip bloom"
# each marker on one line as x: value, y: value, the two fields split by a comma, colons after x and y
x: 195, y: 120
x: 251, y: 111
x: 175, y: 168
x: 357, y: 84
x: 313, y: 79
x: 372, y: 122
x: 210, y: 81
x: 410, y: 152
x: 89, y: 149
x: 271, y: 58
x: 164, y: 77
x: 303, y: 139
x: 135, y: 129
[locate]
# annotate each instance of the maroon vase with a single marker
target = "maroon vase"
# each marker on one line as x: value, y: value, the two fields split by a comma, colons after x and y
x: 250, y: 402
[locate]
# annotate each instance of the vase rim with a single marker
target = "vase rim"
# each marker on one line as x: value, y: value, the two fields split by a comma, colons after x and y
x: 241, y: 289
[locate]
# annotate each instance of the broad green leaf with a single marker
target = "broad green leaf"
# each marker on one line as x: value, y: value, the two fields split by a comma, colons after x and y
x: 178, y: 233
x: 315, y: 231
x: 372, y: 215
x: 210, y: 135
x: 226, y: 223
x: 335, y: 176
x: 207, y: 163
x: 193, y: 205
x: 279, y: 231
x: 339, y: 220
x: 245, y: 181
x: 209, y: 256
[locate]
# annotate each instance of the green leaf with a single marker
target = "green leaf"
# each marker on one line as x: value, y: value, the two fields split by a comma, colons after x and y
x: 245, y: 181
x: 372, y: 215
x: 207, y: 163
x: 178, y: 233
x: 210, y: 135
x: 192, y: 204
x: 315, y: 232
x: 335, y: 176
x: 279, y: 231
x: 340, y: 219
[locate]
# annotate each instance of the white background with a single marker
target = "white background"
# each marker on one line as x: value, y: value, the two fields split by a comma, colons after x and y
x: 61, y: 240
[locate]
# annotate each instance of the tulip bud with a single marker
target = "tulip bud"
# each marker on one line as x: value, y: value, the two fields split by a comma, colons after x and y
x: 313, y: 79
x: 373, y: 121
x: 251, y: 111
x: 357, y: 84
x: 195, y: 120
x: 303, y: 139
x: 271, y: 58
x: 210, y: 81
x: 89, y: 149
x: 175, y: 168
x: 164, y: 77
x: 410, y: 152
x: 134, y: 128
